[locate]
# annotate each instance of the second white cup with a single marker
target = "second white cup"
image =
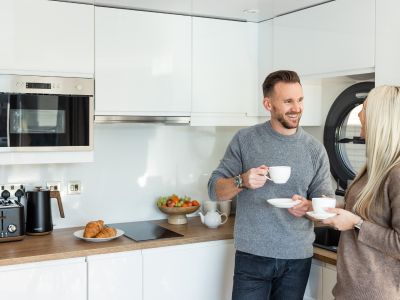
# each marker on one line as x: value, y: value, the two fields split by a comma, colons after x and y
x: 319, y: 204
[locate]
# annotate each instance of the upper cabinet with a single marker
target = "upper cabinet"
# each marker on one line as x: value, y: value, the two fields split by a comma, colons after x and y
x: 335, y: 37
x: 143, y: 63
x: 46, y: 37
x: 387, y: 64
x: 224, y: 72
x: 265, y: 63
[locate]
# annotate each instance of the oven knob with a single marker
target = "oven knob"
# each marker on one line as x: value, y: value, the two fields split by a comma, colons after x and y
x: 12, y: 228
x: 79, y: 87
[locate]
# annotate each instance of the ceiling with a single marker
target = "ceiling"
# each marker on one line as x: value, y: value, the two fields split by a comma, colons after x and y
x: 248, y: 10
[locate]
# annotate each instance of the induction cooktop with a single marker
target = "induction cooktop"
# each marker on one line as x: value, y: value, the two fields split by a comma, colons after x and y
x: 144, y: 231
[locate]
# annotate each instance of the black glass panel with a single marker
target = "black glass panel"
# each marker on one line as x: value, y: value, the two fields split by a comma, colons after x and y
x: 143, y: 231
x: 49, y: 120
x: 3, y: 120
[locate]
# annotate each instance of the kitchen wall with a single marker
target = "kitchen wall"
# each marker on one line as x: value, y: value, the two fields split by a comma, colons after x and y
x: 136, y: 163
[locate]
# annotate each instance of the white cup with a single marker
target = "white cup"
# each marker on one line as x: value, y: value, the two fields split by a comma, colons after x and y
x: 209, y: 206
x: 279, y: 174
x: 319, y: 204
x: 225, y: 207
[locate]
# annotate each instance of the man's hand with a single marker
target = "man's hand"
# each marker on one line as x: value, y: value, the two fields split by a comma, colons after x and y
x: 255, y: 177
x: 300, y: 209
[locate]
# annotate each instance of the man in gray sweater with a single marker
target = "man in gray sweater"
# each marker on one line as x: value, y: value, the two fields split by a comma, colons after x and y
x: 273, y: 245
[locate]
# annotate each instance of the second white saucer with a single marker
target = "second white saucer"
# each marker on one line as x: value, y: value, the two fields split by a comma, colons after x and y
x: 283, y: 202
x: 320, y: 216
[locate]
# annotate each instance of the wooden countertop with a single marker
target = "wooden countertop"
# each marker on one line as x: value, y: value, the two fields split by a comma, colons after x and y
x: 61, y: 243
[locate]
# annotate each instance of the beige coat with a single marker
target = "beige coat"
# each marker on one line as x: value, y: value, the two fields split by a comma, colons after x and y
x: 368, y: 262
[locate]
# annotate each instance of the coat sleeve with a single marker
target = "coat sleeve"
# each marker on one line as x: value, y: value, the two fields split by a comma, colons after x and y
x: 384, y: 239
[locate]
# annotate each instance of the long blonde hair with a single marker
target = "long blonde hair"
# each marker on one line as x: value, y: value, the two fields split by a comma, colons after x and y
x: 382, y: 139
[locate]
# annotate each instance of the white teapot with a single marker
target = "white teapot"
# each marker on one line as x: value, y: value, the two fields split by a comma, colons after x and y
x: 213, y: 219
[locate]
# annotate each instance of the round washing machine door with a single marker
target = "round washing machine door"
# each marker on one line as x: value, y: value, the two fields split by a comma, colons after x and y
x: 345, y: 147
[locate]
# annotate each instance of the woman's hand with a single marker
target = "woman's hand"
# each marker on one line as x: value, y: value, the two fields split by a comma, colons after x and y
x: 344, y: 220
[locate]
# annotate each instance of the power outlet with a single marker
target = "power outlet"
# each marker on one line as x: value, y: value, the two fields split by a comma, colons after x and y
x: 74, y: 187
x: 53, y: 185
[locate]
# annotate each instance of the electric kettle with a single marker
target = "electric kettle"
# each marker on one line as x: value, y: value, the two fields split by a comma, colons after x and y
x: 38, y: 211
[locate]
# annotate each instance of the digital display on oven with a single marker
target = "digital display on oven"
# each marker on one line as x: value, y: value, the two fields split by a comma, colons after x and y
x: 38, y: 85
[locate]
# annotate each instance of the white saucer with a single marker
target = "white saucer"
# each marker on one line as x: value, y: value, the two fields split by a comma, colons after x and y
x: 79, y: 235
x: 320, y: 216
x: 283, y: 202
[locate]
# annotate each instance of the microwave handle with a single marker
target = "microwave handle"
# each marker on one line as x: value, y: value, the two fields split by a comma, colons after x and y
x: 8, y: 123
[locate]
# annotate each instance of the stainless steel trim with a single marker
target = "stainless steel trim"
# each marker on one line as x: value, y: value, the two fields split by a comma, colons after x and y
x: 47, y: 149
x: 178, y: 120
x: 8, y: 123
x: 16, y: 84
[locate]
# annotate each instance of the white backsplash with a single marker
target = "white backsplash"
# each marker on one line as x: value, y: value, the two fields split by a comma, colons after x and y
x: 133, y: 165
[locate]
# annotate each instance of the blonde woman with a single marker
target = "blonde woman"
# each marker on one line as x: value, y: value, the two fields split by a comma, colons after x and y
x: 368, y: 263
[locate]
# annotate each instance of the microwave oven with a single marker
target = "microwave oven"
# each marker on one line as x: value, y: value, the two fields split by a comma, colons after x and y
x: 40, y: 113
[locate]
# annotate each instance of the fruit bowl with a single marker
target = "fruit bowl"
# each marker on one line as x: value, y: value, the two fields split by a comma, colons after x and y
x: 177, y: 215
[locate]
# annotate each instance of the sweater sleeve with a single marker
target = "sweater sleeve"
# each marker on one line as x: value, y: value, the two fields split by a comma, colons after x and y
x: 321, y: 183
x: 386, y: 240
x: 230, y: 166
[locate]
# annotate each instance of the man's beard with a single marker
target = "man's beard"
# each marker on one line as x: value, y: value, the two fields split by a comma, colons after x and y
x: 286, y: 124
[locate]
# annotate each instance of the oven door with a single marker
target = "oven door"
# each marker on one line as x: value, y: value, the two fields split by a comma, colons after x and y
x: 48, y: 122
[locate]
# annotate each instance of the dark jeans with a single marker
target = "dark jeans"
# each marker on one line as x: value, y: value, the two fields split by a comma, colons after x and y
x: 263, y: 278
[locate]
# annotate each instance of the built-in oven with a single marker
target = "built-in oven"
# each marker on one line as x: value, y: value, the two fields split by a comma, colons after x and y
x: 39, y: 113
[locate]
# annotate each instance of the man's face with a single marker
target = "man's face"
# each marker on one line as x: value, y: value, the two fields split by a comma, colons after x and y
x: 286, y: 104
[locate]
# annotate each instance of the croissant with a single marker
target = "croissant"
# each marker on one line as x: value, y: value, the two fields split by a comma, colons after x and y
x: 93, y: 228
x: 107, y: 232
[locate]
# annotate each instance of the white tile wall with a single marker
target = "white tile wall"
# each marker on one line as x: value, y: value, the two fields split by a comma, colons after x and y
x: 134, y: 164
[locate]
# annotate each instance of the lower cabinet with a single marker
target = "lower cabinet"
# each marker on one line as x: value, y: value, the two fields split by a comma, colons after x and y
x: 328, y: 281
x: 115, y: 276
x: 321, y: 281
x: 63, y: 279
x: 194, y: 271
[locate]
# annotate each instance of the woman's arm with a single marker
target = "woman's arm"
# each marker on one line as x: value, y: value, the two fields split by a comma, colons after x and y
x: 386, y: 240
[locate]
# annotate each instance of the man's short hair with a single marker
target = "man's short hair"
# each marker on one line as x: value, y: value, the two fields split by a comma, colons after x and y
x: 278, y: 76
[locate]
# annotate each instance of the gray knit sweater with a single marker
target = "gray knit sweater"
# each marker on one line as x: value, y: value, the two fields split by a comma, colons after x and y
x: 260, y: 228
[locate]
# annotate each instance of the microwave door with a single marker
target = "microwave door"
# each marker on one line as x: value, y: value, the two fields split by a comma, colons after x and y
x: 4, y: 128
x: 49, y: 121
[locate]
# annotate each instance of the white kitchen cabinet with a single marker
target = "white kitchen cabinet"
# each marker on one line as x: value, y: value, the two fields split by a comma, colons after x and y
x: 225, y: 83
x: 335, y: 37
x: 312, y: 92
x: 328, y: 281
x: 265, y: 63
x: 321, y: 281
x: 63, y: 279
x: 143, y: 63
x: 46, y: 37
x: 194, y: 271
x: 311, y: 88
x: 387, y: 64
x: 314, y: 285
x: 115, y: 276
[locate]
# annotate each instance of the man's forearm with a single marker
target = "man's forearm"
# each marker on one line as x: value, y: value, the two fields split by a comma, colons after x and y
x: 225, y: 188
